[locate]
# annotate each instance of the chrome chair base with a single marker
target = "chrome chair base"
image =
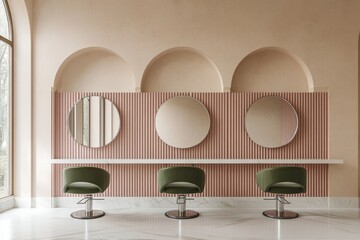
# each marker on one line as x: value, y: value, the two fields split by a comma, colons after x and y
x: 176, y: 214
x: 82, y: 214
x: 280, y: 215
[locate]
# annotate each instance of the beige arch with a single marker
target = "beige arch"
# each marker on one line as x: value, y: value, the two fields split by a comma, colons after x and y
x: 70, y: 58
x: 298, y: 60
x: 180, y: 49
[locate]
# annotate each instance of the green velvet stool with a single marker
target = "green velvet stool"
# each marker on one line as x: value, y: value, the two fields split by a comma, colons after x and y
x: 281, y: 180
x: 86, y: 180
x: 181, y: 181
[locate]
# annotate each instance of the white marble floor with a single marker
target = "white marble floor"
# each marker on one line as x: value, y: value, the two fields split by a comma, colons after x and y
x: 219, y: 224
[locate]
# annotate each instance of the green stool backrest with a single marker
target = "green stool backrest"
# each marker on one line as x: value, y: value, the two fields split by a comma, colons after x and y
x: 269, y: 176
x: 191, y: 175
x: 93, y: 175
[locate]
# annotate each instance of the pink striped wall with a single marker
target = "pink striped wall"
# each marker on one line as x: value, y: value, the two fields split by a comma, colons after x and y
x: 227, y: 139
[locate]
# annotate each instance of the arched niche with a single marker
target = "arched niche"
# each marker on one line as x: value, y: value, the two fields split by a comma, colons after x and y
x: 94, y: 70
x: 272, y: 70
x: 181, y: 70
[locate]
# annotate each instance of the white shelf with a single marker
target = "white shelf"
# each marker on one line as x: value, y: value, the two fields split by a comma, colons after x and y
x: 199, y: 161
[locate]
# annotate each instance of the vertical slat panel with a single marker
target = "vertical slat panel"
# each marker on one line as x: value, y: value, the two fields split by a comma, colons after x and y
x: 227, y: 138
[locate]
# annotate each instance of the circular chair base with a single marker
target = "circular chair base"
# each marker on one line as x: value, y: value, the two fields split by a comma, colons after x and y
x: 284, y: 215
x: 187, y: 214
x: 81, y: 214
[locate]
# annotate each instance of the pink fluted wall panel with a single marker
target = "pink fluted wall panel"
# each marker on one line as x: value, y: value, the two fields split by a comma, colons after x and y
x: 227, y: 139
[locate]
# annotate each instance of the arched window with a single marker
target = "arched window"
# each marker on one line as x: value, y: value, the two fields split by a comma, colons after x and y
x: 6, y: 49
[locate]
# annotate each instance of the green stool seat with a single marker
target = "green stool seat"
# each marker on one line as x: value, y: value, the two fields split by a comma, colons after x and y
x: 86, y: 180
x: 181, y: 180
x: 282, y: 180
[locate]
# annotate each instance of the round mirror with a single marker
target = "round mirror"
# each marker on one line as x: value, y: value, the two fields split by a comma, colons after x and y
x: 94, y: 121
x: 182, y: 122
x: 271, y: 122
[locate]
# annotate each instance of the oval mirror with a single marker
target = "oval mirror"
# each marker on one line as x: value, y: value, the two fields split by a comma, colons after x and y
x: 94, y: 121
x: 271, y: 122
x: 182, y: 122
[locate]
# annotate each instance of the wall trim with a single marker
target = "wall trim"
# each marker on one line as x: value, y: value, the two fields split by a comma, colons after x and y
x: 197, y: 161
x: 210, y: 202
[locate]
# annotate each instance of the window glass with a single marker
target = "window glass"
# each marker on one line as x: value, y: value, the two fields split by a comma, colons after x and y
x: 4, y: 119
x: 5, y: 104
x: 4, y: 23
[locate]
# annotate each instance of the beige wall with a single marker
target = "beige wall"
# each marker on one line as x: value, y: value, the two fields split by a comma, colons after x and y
x: 323, y: 34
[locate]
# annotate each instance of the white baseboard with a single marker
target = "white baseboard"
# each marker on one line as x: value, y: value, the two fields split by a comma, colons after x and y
x: 344, y: 202
x: 7, y: 203
x: 43, y: 202
x: 40, y: 202
x: 22, y: 202
x: 210, y: 202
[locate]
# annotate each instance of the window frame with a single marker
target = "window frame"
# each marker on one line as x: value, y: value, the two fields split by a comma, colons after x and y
x: 10, y: 42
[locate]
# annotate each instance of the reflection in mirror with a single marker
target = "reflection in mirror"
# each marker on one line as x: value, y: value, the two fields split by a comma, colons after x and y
x: 182, y: 122
x: 94, y: 121
x: 271, y: 122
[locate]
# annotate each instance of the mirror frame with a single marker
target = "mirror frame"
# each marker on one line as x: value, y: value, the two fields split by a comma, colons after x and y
x: 172, y: 124
x: 272, y: 145
x: 105, y: 143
